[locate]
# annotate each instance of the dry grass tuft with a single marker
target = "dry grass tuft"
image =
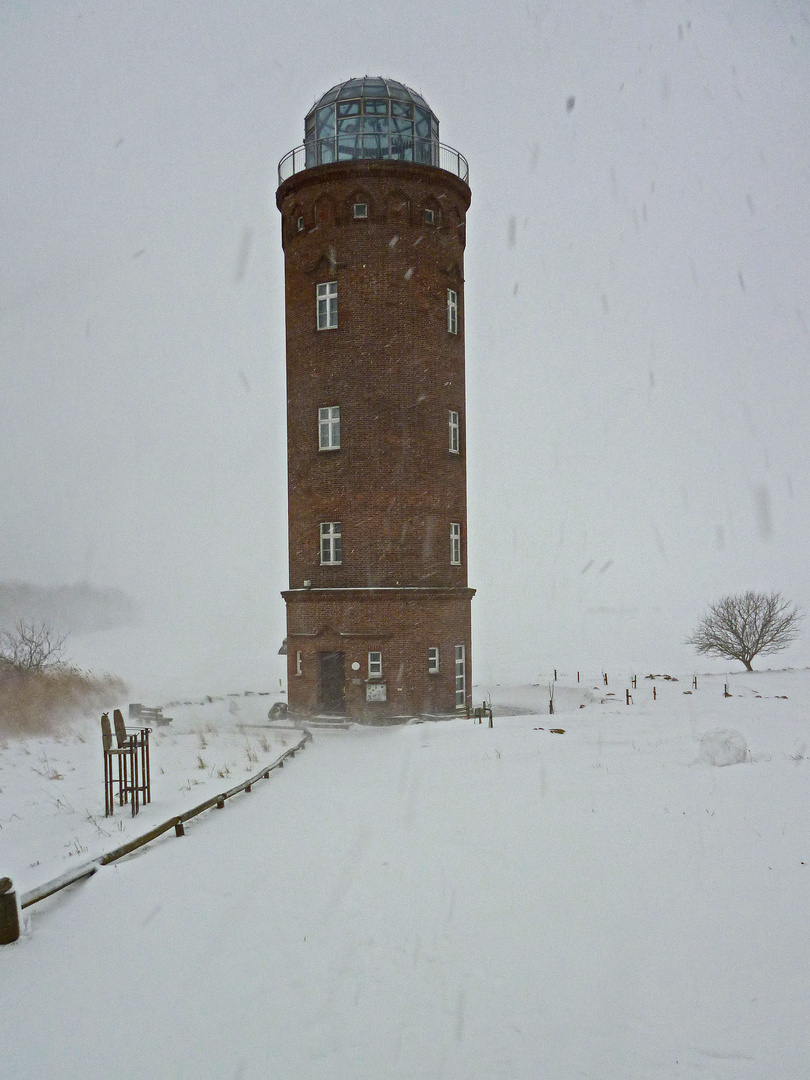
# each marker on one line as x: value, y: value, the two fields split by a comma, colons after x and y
x: 37, y: 702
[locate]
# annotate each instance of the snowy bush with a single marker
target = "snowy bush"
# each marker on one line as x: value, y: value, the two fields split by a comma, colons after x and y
x: 723, y: 747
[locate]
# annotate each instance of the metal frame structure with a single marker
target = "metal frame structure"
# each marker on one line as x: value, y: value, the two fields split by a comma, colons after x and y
x: 133, y: 773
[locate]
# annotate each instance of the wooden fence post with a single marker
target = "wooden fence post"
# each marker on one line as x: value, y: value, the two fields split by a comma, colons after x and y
x: 9, y: 913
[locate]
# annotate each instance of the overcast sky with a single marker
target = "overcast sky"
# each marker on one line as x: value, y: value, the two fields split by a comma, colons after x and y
x: 637, y: 305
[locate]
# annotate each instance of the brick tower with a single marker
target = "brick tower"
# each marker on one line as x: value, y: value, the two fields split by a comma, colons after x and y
x: 373, y: 212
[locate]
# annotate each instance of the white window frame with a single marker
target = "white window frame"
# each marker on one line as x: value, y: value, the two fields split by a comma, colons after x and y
x: 375, y: 665
x: 360, y: 210
x: 299, y: 223
x: 430, y: 217
x: 461, y: 677
x: 455, y: 544
x: 326, y: 305
x: 433, y: 660
x: 298, y: 662
x: 454, y: 431
x: 329, y: 428
x: 452, y: 311
x: 331, y: 543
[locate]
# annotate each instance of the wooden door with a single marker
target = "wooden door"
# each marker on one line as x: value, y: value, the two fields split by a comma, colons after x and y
x: 332, y: 695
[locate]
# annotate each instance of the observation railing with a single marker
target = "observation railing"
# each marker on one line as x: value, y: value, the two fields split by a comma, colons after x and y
x: 364, y: 147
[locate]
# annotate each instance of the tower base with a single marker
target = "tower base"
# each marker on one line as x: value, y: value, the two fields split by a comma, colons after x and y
x: 377, y: 655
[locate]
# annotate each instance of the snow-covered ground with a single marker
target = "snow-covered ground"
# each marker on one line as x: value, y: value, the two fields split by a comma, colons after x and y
x: 428, y: 901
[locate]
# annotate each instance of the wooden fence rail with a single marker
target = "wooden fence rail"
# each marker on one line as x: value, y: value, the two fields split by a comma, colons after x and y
x: 33, y: 896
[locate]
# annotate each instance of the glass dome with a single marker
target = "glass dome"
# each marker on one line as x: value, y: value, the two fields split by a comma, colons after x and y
x: 371, y: 118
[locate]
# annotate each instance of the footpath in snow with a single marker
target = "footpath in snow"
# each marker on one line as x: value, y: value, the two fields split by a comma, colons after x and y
x: 438, y: 901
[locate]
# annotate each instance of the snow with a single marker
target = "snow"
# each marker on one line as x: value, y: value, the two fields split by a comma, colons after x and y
x: 432, y: 900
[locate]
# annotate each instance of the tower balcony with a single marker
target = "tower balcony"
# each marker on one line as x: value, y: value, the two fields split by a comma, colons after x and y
x: 364, y: 147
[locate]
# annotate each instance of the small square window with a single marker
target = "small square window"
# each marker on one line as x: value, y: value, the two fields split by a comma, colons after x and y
x: 453, y: 426
x: 299, y: 224
x: 375, y: 665
x: 361, y: 210
x: 329, y: 428
x: 452, y: 311
x: 331, y: 543
x: 327, y: 305
x: 455, y: 544
x: 430, y: 217
x: 433, y: 660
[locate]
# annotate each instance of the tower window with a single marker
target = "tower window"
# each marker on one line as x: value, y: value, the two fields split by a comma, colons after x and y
x: 453, y: 426
x: 455, y: 544
x: 452, y: 310
x: 430, y: 217
x: 361, y: 210
x: 461, y: 678
x: 329, y: 428
x: 298, y: 662
x: 331, y: 543
x: 299, y: 224
x: 327, y: 305
x: 375, y: 665
x: 433, y: 660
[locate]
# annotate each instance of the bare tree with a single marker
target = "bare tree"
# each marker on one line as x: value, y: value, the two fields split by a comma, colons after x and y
x: 744, y: 625
x: 32, y: 646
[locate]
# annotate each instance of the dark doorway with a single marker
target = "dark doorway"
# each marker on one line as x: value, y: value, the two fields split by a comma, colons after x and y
x: 332, y: 692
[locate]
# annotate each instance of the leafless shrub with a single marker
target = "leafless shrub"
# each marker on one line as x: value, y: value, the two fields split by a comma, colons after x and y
x: 745, y: 625
x: 32, y: 646
x: 38, y: 688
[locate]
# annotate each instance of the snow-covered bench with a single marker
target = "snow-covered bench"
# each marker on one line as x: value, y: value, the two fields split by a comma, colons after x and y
x: 148, y: 714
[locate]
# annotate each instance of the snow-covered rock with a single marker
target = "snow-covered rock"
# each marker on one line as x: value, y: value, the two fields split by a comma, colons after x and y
x: 723, y: 747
